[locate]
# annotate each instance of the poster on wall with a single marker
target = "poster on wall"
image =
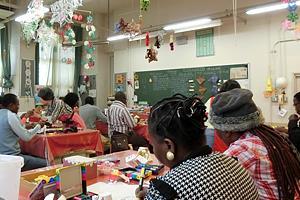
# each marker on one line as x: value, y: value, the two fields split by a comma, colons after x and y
x: 27, y: 77
x: 120, y: 82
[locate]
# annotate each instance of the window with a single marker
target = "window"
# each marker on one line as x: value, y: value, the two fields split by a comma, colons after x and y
x: 45, y: 65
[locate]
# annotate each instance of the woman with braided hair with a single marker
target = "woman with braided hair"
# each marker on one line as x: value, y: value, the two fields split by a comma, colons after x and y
x: 271, y: 159
x: 176, y: 130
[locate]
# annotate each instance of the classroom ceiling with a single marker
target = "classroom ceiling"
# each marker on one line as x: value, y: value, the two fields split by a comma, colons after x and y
x: 101, y: 6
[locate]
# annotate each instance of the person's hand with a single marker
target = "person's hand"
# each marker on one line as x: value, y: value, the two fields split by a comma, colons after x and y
x: 140, y: 194
x: 29, y: 113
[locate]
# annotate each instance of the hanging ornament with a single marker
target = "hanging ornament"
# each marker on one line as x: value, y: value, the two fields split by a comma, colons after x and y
x: 62, y: 11
x: 151, y: 54
x: 172, y: 42
x: 147, y: 40
x: 29, y: 30
x: 46, y: 36
x: 68, y: 35
x: 89, y: 48
x: 133, y: 28
x: 286, y: 24
x: 144, y: 5
x: 292, y: 17
x: 158, y: 40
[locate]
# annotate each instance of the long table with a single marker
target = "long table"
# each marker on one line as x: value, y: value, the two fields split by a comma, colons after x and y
x: 51, y: 146
x: 24, y: 192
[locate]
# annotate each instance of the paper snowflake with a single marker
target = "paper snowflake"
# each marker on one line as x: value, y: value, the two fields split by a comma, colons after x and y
x: 46, y: 35
x: 28, y: 30
x: 62, y: 11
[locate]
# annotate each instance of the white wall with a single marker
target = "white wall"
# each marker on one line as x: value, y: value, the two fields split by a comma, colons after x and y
x: 252, y: 45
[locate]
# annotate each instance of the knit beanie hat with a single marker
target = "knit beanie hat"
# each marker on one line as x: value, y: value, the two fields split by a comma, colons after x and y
x: 235, y: 111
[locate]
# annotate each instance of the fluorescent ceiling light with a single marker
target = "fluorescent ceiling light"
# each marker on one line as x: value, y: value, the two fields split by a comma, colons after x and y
x: 269, y: 8
x: 143, y: 36
x: 117, y: 37
x: 187, y: 24
x: 214, y: 23
x: 28, y: 17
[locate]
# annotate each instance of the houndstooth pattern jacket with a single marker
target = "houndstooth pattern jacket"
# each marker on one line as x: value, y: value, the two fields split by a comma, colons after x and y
x: 206, y: 177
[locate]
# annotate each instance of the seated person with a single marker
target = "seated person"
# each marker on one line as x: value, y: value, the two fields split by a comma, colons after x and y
x: 72, y: 100
x: 90, y: 113
x: 121, y: 122
x: 12, y: 130
x: 56, y: 107
x: 268, y: 156
x: 212, y: 138
x: 294, y: 123
x: 176, y: 128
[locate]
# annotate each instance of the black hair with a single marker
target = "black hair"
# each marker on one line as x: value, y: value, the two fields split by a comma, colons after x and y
x: 180, y: 119
x: 297, y: 96
x: 120, y: 96
x: 71, y: 99
x: 46, y: 94
x: 9, y: 99
x: 1, y: 100
x: 229, y: 85
x: 89, y: 100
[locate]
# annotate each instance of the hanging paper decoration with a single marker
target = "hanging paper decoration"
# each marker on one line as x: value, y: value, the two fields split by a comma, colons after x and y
x: 77, y: 17
x: 151, y: 54
x: 28, y: 30
x: 158, y: 40
x: 292, y: 17
x: 144, y: 4
x: 68, y: 35
x: 88, y: 45
x: 35, y: 10
x: 172, y: 42
x: 67, y: 60
x: 286, y: 24
x: 62, y: 11
x: 30, y: 24
x: 133, y: 28
x: 46, y: 35
x: 147, y: 40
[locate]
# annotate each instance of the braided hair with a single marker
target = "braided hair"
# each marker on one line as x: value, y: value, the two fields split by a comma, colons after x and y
x: 180, y: 119
x: 285, y: 159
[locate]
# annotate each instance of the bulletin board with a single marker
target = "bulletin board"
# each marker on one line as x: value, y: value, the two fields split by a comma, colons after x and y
x: 120, y: 82
x: 152, y: 86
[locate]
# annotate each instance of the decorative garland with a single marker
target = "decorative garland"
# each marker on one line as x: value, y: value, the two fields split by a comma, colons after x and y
x: 88, y: 45
x: 68, y: 34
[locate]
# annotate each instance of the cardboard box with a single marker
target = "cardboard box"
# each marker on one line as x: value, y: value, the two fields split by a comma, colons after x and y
x: 27, y: 181
x: 90, y: 164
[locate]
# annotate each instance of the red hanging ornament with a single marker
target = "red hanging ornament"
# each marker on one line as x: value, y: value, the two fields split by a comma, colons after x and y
x: 80, y: 18
x: 75, y: 17
x: 147, y: 39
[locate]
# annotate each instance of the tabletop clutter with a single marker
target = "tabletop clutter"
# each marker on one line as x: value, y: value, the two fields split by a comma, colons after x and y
x: 70, y: 181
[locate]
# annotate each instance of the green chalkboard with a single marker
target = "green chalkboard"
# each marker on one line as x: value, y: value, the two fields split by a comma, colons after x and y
x: 152, y: 86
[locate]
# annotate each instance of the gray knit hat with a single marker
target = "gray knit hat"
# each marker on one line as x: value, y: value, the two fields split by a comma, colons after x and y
x: 235, y: 111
